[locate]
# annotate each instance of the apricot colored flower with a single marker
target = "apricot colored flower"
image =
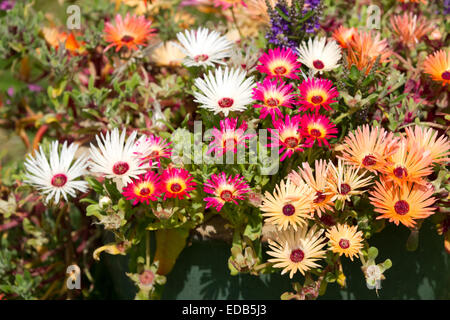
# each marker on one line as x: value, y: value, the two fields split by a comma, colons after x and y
x: 365, y: 48
x: 408, y: 164
x: 403, y: 204
x: 129, y: 32
x: 410, y: 28
x: 428, y: 141
x: 318, y: 181
x: 343, y: 35
x: 437, y: 65
x: 368, y: 147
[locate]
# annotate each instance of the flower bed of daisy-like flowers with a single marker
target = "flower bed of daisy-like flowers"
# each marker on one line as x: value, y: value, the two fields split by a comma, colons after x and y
x: 297, y: 127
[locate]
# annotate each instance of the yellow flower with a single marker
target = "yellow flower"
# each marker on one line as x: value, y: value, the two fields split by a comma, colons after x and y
x: 345, y: 240
x: 289, y: 205
x: 345, y: 182
x: 296, y: 250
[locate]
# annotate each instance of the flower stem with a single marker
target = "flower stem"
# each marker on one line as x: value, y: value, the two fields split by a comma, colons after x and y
x: 235, y: 23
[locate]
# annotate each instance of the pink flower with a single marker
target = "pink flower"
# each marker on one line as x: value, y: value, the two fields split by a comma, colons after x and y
x: 228, y: 137
x: 144, y: 189
x: 287, y: 134
x: 316, y: 93
x: 176, y: 183
x: 273, y: 95
x: 225, y: 189
x: 317, y: 128
x: 151, y: 148
x: 279, y: 63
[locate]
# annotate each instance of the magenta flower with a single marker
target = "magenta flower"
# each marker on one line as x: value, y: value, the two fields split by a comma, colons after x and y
x: 229, y: 137
x: 287, y: 135
x: 279, y: 63
x: 317, y: 128
x: 316, y: 93
x: 273, y: 95
x: 225, y: 189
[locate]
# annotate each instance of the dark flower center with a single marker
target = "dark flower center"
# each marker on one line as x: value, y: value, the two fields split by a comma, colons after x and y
x: 226, y: 195
x: 176, y: 187
x: 344, y: 243
x: 291, y: 142
x: 154, y: 153
x: 120, y: 168
x: 446, y: 75
x: 345, y: 188
x: 297, y: 255
x: 127, y: 39
x: 272, y: 102
x: 316, y: 99
x: 369, y: 161
x: 225, y: 102
x: 280, y: 70
x: 318, y: 64
x: 288, y: 210
x: 315, y: 133
x: 201, y: 58
x: 229, y: 143
x: 144, y: 191
x: 400, y: 172
x: 59, y: 180
x: 146, y: 277
x: 320, y: 197
x: 401, y: 207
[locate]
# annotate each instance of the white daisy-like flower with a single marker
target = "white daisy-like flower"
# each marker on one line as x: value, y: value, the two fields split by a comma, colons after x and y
x: 319, y: 55
x: 116, y: 158
x: 204, y: 47
x: 56, y: 176
x: 224, y: 91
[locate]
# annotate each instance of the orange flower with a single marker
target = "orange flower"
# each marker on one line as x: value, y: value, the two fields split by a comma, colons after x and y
x: 129, y: 32
x: 410, y: 28
x: 438, y: 66
x: 427, y: 140
x: 343, y: 35
x: 54, y: 38
x: 402, y: 204
x: 408, y: 164
x: 364, y: 49
x: 368, y: 147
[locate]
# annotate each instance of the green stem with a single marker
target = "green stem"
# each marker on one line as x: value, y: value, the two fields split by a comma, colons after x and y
x: 147, y: 252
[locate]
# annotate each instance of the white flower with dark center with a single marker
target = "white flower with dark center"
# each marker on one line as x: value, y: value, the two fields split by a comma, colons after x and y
x: 56, y: 176
x: 116, y: 158
x: 204, y: 47
x: 319, y: 55
x: 224, y: 91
